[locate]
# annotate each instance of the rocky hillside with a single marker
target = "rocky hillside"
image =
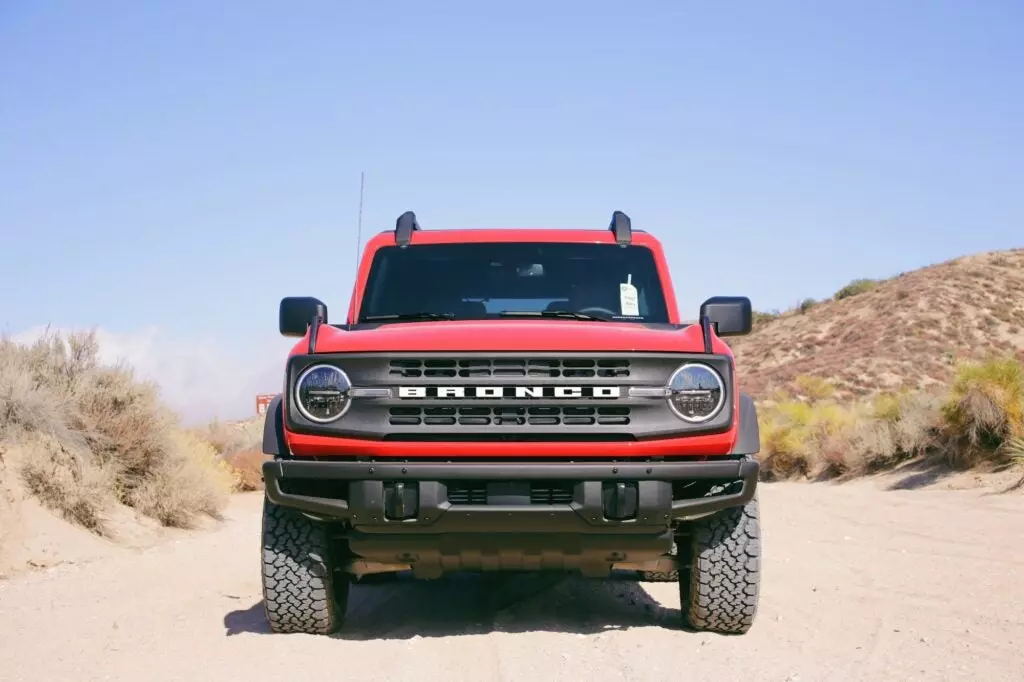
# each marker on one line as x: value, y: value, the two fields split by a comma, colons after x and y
x: 904, y: 332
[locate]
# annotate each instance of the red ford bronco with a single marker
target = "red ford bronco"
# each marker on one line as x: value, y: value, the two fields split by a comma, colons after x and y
x: 511, y: 400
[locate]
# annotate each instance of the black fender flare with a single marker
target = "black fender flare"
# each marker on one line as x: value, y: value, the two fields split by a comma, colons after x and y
x: 273, y: 430
x: 748, y: 441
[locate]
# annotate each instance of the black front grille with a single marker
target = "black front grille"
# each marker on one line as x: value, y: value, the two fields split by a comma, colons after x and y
x: 470, y: 368
x: 540, y: 492
x: 509, y: 416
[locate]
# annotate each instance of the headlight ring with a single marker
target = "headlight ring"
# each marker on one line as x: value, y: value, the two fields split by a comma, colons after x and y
x: 322, y: 393
x: 696, y: 393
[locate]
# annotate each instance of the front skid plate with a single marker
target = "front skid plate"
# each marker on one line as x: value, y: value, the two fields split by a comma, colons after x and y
x: 430, y: 556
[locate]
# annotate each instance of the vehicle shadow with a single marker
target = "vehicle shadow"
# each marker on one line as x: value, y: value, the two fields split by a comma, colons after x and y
x: 460, y: 604
x: 920, y: 474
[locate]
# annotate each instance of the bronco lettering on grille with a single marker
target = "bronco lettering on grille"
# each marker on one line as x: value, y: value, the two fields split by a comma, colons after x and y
x: 516, y: 392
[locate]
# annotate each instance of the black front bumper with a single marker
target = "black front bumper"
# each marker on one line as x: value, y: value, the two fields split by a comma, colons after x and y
x: 600, y: 498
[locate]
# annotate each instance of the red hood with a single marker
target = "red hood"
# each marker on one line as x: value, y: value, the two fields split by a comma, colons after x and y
x: 506, y: 335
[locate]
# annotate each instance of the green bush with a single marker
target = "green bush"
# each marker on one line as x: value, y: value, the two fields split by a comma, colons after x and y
x: 857, y: 286
x: 762, y: 318
x: 984, y: 411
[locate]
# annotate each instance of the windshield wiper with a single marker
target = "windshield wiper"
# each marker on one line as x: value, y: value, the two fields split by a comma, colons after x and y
x: 409, y: 316
x: 569, y: 314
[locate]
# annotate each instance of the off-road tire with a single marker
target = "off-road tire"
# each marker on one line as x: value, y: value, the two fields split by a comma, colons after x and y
x: 719, y: 585
x: 301, y: 591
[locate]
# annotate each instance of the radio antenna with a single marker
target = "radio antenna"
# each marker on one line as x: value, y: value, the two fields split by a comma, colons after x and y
x: 359, y: 224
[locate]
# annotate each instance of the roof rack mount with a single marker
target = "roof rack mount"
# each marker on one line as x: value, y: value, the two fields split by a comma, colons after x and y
x: 622, y: 228
x: 404, y: 227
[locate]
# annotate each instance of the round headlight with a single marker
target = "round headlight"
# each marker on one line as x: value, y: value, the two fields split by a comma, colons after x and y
x: 322, y: 393
x: 696, y: 393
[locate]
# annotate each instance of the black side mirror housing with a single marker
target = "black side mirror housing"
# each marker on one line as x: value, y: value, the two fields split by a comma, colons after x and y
x: 297, y: 312
x: 730, y: 315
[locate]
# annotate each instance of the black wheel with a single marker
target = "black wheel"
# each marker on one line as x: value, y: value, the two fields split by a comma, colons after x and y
x: 719, y: 585
x: 301, y: 592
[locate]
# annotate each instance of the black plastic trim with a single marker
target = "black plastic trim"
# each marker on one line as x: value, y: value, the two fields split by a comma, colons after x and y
x: 622, y: 227
x: 363, y: 505
x: 404, y: 227
x: 749, y: 440
x: 705, y: 329
x: 273, y: 429
x: 314, y: 329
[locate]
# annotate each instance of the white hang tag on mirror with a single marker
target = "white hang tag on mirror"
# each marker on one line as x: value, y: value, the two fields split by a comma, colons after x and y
x: 628, y: 299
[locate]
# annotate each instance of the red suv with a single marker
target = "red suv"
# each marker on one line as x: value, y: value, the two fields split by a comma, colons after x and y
x: 511, y: 400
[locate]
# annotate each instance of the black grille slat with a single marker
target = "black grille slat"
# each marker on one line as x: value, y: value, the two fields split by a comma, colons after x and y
x: 551, y: 493
x: 472, y: 368
x: 467, y: 493
x: 509, y: 421
x: 439, y: 421
x: 405, y: 421
x: 541, y: 492
x: 535, y: 415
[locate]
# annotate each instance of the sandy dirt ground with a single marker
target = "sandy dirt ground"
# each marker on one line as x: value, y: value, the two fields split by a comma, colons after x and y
x: 860, y: 583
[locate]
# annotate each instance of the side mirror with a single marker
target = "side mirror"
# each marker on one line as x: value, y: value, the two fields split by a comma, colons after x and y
x: 730, y: 315
x: 297, y: 312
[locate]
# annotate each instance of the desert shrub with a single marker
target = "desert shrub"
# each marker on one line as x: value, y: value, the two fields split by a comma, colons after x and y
x: 806, y: 305
x: 814, y: 388
x: 857, y: 286
x: 248, y: 468
x: 227, y: 438
x: 916, y: 428
x: 984, y: 411
x: 239, y: 446
x: 761, y: 318
x: 187, y: 481
x: 1014, y: 449
x: 800, y: 438
x: 62, y: 477
x: 825, y: 439
x: 82, y: 435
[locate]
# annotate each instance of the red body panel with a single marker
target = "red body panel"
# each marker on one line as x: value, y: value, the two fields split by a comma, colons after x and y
x: 513, y: 335
x: 310, y: 446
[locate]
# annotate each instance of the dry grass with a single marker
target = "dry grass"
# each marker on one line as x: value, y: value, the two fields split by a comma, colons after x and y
x: 81, y: 436
x: 985, y: 411
x: 248, y: 466
x: 979, y: 420
x: 240, y: 446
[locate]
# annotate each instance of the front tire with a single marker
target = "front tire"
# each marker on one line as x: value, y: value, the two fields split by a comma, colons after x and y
x: 300, y: 590
x: 719, y: 588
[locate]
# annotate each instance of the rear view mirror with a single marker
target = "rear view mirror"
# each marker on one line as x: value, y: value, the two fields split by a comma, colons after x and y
x: 297, y: 312
x: 730, y: 315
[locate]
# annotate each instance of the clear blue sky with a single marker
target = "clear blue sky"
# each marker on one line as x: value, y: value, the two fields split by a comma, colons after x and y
x: 185, y: 164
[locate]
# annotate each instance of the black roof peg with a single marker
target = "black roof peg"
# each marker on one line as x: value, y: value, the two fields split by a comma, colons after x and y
x: 622, y: 228
x: 404, y: 227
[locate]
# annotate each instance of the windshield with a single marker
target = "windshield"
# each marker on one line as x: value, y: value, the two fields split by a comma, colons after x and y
x: 494, y: 280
